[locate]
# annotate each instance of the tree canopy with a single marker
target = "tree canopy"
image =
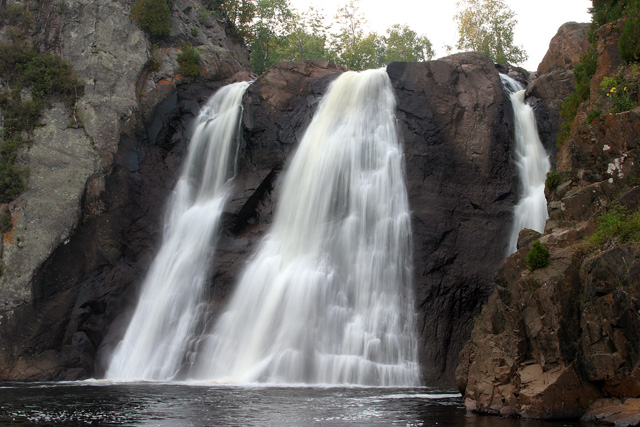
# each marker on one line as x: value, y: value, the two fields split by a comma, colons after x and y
x: 277, y: 32
x: 487, y: 26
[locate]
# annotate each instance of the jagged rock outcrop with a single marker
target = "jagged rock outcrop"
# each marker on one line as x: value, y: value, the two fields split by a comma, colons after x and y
x: 555, y: 81
x: 552, y: 341
x: 87, y: 225
x: 566, y: 48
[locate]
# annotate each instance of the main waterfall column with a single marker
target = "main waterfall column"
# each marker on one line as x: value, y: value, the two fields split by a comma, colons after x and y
x: 327, y: 298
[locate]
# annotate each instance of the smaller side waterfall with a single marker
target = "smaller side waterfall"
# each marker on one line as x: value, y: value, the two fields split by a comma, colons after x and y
x: 156, y: 340
x: 532, y: 163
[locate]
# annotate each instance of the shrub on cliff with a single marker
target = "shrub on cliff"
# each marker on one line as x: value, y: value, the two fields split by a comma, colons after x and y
x: 47, y: 76
x: 538, y: 256
x: 616, y: 226
x: 582, y: 75
x: 605, y: 11
x: 153, y: 16
x: 189, y: 61
x: 629, y: 44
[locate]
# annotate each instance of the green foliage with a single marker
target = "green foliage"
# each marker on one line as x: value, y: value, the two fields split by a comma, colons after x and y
x: 619, y: 92
x: 582, y: 75
x: 189, y: 61
x: 153, y: 16
x: 405, y: 45
x: 274, y: 20
x: 616, y: 226
x: 629, y: 44
x: 15, y: 16
x: 538, y: 256
x: 46, y: 76
x: 49, y: 75
x: 281, y: 33
x: 194, y: 32
x: 355, y: 50
x: 155, y: 62
x: 5, y: 220
x: 593, y: 114
x: 605, y: 11
x: 203, y: 14
x: 553, y: 180
x: 239, y: 14
x: 12, y: 175
x: 487, y: 26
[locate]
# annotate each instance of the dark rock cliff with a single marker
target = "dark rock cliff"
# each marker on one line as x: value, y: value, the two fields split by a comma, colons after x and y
x: 456, y: 125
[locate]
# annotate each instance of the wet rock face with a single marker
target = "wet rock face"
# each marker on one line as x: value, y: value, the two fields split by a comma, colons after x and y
x: 456, y: 124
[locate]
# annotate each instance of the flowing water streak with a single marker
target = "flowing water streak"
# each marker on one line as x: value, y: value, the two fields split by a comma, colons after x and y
x: 155, y: 342
x: 327, y: 297
x: 532, y: 163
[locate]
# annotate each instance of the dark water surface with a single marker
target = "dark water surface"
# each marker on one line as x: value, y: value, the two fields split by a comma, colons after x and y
x: 153, y: 404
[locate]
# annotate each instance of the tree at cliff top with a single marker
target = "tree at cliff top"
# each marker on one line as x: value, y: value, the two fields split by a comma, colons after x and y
x: 486, y: 26
x: 153, y: 16
x: 239, y: 15
x: 279, y: 32
x: 272, y: 22
x: 405, y: 45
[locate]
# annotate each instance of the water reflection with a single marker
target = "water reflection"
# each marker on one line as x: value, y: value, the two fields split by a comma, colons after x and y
x: 153, y: 404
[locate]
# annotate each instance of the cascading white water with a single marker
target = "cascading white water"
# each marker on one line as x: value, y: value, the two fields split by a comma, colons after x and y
x: 155, y: 342
x: 327, y: 298
x: 532, y: 163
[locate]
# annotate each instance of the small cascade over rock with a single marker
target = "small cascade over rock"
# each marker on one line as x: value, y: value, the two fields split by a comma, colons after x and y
x: 156, y: 341
x: 327, y: 298
x: 532, y: 162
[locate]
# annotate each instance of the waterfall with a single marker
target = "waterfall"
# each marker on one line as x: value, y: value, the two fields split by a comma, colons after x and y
x: 155, y: 343
x: 532, y: 163
x: 327, y: 297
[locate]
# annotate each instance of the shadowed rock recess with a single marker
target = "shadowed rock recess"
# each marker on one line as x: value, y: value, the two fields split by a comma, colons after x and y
x: 62, y: 315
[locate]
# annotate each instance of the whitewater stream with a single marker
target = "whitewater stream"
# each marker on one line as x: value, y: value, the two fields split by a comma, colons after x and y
x: 532, y: 164
x: 157, y: 339
x: 327, y: 297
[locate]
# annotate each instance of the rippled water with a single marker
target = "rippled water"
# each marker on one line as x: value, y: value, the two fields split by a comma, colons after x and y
x: 153, y: 404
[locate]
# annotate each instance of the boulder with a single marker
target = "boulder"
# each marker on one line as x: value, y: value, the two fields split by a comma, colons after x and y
x: 566, y: 48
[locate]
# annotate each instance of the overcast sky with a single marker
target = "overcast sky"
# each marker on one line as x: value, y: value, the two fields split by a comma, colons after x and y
x: 538, y: 20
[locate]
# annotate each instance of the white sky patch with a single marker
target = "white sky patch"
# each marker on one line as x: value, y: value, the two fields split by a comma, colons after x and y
x: 538, y: 21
